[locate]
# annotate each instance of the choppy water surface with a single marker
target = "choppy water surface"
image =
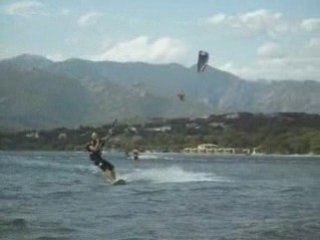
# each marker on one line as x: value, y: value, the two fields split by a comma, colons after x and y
x: 60, y: 195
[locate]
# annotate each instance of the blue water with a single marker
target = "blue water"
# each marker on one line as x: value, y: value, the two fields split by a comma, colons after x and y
x: 61, y: 195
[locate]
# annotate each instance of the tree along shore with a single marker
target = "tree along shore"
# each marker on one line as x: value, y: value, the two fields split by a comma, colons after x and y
x: 278, y: 133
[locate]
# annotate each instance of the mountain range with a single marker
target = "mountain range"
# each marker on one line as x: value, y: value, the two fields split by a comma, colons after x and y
x: 38, y: 93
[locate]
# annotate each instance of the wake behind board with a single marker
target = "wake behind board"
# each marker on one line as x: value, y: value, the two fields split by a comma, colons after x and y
x: 119, y: 182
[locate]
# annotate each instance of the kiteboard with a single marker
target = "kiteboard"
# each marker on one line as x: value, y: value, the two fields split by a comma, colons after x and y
x: 119, y: 182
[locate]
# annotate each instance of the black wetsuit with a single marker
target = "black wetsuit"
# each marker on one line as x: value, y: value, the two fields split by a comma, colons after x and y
x: 96, y: 157
x: 135, y: 155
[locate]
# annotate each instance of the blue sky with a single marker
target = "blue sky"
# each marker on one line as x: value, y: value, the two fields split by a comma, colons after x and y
x: 261, y: 39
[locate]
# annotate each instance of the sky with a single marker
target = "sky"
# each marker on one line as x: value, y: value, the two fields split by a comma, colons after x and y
x: 254, y: 39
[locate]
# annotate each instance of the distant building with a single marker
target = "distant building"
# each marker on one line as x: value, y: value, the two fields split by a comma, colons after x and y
x: 232, y: 116
x: 34, y: 135
x: 193, y: 126
x: 215, y: 149
x: 62, y: 136
x: 207, y: 148
x: 133, y: 129
x: 257, y: 151
x: 217, y: 124
x: 160, y: 129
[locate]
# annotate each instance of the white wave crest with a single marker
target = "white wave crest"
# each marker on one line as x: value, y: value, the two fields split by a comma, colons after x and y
x: 172, y: 175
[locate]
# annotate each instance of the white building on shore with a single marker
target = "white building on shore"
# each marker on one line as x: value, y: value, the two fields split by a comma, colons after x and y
x: 209, y: 148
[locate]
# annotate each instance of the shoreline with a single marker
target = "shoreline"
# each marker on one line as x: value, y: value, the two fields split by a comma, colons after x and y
x: 115, y: 152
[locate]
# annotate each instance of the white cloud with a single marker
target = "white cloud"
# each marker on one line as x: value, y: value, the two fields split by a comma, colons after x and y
x: 311, y: 24
x: 65, y: 11
x: 278, y: 69
x: 162, y: 50
x: 72, y: 41
x: 56, y: 57
x: 260, y: 19
x: 217, y: 19
x: 228, y: 67
x: 89, y: 19
x: 251, y: 23
x: 270, y: 50
x: 274, y: 63
x: 297, y: 68
x: 24, y: 9
x: 312, y: 48
x: 314, y: 43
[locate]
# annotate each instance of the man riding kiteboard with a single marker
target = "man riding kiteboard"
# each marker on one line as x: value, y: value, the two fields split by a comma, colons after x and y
x: 94, y: 147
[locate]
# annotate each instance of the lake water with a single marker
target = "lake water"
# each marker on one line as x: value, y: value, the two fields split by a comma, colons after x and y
x: 61, y: 195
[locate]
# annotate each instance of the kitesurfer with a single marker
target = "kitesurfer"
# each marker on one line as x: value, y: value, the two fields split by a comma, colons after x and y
x: 95, y: 148
x: 181, y: 95
x: 135, y: 153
